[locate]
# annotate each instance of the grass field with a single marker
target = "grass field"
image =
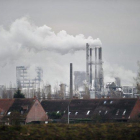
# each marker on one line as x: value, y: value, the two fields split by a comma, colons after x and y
x: 105, y: 131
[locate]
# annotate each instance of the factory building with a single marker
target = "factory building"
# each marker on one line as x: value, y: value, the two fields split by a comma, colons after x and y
x: 129, y: 91
x: 118, y: 81
x: 79, y: 78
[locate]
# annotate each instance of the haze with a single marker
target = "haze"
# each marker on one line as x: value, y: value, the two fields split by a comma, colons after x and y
x: 115, y: 23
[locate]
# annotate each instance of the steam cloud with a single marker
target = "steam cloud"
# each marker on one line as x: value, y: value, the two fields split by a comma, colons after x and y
x: 24, y: 43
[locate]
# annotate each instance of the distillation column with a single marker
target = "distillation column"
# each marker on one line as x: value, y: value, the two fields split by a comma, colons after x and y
x: 100, y: 70
x: 90, y: 67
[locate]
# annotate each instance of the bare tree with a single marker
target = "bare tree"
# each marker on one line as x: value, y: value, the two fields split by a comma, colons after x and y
x: 137, y: 79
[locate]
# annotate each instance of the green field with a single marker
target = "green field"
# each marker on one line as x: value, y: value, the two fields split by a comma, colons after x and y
x: 105, y: 131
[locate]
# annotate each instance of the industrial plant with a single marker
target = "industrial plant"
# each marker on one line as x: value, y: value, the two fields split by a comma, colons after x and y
x: 87, y: 84
x: 86, y: 97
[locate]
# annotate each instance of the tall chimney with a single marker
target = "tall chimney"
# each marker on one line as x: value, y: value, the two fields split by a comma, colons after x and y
x: 95, y: 70
x: 100, y: 53
x: 91, y: 66
x: 87, y: 61
x: 100, y: 70
x: 71, y: 81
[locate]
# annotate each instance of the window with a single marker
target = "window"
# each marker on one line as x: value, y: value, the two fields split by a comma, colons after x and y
x: 124, y: 112
x: 111, y: 102
x: 117, y: 113
x: 25, y: 107
x: 104, y: 102
x: 76, y: 113
x: 88, y: 112
x: 106, y: 112
x: 8, y: 113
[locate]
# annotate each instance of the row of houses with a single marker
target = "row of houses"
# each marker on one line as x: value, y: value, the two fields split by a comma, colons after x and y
x: 77, y: 110
x: 21, y: 111
x: 105, y: 109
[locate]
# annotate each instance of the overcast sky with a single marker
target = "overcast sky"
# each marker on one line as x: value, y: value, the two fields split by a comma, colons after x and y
x: 115, y: 22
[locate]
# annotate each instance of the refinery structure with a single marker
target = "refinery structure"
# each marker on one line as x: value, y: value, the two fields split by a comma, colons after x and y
x: 87, y: 84
x: 30, y: 85
x: 23, y: 78
x: 94, y: 63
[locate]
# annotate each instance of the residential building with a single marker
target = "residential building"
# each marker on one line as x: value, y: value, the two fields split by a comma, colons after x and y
x: 52, y: 107
x: 92, y: 110
x: 106, y: 109
x: 22, y: 110
x: 5, y: 104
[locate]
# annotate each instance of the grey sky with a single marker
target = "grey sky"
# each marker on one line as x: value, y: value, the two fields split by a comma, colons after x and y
x: 115, y: 22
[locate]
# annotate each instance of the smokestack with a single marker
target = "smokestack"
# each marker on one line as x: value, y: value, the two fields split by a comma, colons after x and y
x: 71, y: 81
x: 87, y: 61
x: 100, y: 53
x: 95, y: 70
x: 91, y: 66
x: 100, y: 70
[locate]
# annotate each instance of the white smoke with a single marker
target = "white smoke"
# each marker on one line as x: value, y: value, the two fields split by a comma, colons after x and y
x: 112, y: 71
x: 25, y: 35
x: 25, y: 44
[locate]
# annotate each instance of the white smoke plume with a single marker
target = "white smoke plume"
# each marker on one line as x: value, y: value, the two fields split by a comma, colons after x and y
x: 25, y: 44
x: 112, y: 71
x: 25, y: 35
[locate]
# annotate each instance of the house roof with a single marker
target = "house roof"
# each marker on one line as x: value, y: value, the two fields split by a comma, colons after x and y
x: 115, y: 108
x: 55, y: 105
x: 18, y: 105
x: 107, y: 108
x: 21, y: 104
x: 79, y: 108
x: 5, y: 105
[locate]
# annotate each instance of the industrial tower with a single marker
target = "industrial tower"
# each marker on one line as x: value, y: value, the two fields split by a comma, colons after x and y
x: 96, y: 61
